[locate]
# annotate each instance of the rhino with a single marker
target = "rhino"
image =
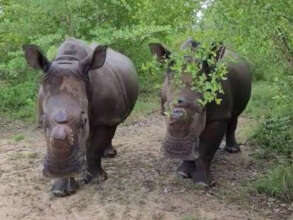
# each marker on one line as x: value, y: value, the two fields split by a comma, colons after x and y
x: 195, y: 131
x: 85, y: 93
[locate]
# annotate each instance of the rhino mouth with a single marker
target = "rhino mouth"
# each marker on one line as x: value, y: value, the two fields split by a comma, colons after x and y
x: 69, y: 167
x: 185, y: 148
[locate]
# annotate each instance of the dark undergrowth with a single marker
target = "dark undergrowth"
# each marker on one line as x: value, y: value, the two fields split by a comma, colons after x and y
x: 271, y: 105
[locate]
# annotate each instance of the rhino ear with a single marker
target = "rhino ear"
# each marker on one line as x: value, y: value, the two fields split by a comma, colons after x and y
x: 217, y: 53
x: 219, y: 50
x: 160, y: 52
x: 205, y: 67
x: 96, y: 60
x: 191, y: 44
x: 99, y: 57
x: 35, y: 57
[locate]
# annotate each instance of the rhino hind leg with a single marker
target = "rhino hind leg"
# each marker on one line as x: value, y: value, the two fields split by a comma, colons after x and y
x: 210, y: 140
x: 231, y: 144
x: 110, y: 151
x: 101, y: 138
x: 64, y: 187
x: 186, y: 168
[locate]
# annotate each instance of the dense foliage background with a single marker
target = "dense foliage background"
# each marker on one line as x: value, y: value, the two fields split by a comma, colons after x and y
x: 124, y: 25
x: 260, y: 30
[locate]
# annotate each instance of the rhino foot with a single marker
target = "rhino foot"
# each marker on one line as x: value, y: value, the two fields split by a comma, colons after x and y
x: 201, y: 174
x: 100, y: 176
x: 232, y: 149
x: 202, y: 185
x: 109, y: 152
x: 185, y: 169
x: 200, y: 180
x: 64, y: 187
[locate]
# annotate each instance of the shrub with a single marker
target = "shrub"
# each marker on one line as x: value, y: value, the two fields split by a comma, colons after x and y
x: 278, y: 183
x: 19, y: 100
x: 274, y: 137
x: 276, y: 134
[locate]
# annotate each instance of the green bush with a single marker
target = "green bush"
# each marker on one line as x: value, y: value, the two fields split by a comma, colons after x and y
x: 275, y: 134
x: 278, y: 183
x: 19, y: 100
x: 274, y: 138
x: 126, y: 26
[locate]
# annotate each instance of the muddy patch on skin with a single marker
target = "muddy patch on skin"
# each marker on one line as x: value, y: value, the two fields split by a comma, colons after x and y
x: 141, y: 184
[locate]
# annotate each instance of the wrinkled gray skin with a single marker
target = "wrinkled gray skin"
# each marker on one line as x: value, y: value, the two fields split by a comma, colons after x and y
x: 86, y: 92
x: 194, y: 132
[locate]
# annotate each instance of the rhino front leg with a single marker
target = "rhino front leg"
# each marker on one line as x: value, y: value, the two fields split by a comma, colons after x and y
x: 94, y: 170
x: 186, y: 168
x: 101, y: 138
x: 64, y: 187
x: 40, y: 108
x: 163, y: 96
x: 210, y: 140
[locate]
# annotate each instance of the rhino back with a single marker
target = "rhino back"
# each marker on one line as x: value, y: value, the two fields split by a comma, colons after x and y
x: 74, y: 48
x: 240, y: 78
x: 114, y: 89
x: 237, y: 88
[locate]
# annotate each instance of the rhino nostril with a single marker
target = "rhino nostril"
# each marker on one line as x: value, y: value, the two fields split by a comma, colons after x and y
x: 177, y: 113
x: 61, y: 117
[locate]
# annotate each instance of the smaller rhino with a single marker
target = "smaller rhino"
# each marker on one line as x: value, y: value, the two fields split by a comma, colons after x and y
x: 194, y: 132
x: 86, y: 92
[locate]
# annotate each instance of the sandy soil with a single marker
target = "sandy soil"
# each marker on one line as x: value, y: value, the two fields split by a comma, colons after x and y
x: 141, y: 183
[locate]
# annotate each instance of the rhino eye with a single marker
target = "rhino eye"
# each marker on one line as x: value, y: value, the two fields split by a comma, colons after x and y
x: 83, y: 120
x: 41, y: 120
x: 182, y: 102
x: 45, y: 122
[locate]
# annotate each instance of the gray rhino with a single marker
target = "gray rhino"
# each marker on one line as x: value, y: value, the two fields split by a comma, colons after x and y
x: 194, y: 132
x: 85, y: 93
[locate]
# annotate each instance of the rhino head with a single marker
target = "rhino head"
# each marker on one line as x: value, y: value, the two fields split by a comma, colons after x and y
x: 185, y: 116
x: 64, y: 105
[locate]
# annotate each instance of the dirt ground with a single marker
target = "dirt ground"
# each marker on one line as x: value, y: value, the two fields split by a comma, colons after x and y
x: 141, y: 183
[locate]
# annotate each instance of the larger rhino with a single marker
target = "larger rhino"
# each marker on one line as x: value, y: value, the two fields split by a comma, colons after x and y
x: 86, y: 92
x: 194, y: 132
